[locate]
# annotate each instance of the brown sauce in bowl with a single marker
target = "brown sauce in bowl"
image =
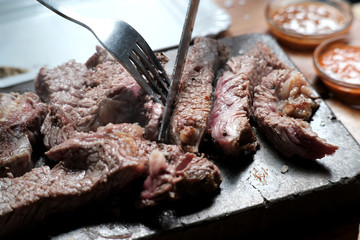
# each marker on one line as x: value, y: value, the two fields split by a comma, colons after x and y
x: 309, y: 18
x: 342, y: 62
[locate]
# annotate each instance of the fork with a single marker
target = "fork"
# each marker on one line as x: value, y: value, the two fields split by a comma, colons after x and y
x: 125, y: 44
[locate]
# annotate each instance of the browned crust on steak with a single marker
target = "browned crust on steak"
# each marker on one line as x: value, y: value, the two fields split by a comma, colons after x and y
x: 193, y: 101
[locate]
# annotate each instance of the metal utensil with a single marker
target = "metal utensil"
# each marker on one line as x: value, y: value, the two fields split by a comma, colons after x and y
x: 179, y: 65
x: 126, y: 45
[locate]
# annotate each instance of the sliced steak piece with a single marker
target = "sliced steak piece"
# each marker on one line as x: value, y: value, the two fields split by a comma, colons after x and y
x: 229, y: 124
x: 93, y: 95
x: 63, y: 84
x: 90, y: 167
x: 291, y: 136
x: 15, y: 153
x: 193, y: 102
x: 143, y: 109
x: 174, y: 174
x: 20, y: 119
x: 148, y: 113
x: 90, y: 97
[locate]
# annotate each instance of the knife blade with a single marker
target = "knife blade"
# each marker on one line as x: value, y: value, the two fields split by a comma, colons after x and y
x: 179, y: 65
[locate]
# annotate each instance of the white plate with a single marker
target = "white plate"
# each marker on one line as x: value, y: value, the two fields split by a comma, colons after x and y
x: 33, y: 36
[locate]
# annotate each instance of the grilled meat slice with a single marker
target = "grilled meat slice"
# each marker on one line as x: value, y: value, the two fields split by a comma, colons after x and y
x: 149, y: 115
x: 229, y: 124
x: 174, y: 174
x: 90, y: 97
x: 90, y: 167
x: 20, y: 119
x: 193, y: 102
x: 258, y: 84
x: 93, y: 165
x: 16, y: 151
x: 291, y: 136
x: 94, y: 94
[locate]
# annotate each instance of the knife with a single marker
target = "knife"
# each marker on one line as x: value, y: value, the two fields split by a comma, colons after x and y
x: 179, y: 65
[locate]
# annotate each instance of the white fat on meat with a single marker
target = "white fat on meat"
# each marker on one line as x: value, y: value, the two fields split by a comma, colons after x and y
x: 157, y: 163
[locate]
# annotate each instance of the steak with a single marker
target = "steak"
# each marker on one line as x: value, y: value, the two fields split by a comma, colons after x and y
x: 229, y: 124
x: 57, y: 126
x: 283, y: 102
x: 193, y: 102
x: 174, y: 174
x: 148, y: 113
x: 93, y: 165
x: 277, y: 108
x: 259, y: 85
x: 20, y: 119
x: 90, y: 95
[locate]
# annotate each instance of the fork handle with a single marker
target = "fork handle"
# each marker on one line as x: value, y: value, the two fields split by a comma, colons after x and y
x: 65, y: 12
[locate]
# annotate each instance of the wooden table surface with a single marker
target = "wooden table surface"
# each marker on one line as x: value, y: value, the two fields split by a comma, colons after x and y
x: 248, y: 17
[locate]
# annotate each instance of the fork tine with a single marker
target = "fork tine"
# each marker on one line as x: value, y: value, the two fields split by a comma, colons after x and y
x: 144, y: 59
x: 142, y: 44
x: 130, y: 67
x: 143, y: 70
x: 158, y: 78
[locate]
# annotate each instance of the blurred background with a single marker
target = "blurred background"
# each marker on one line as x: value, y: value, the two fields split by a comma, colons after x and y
x: 31, y: 36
